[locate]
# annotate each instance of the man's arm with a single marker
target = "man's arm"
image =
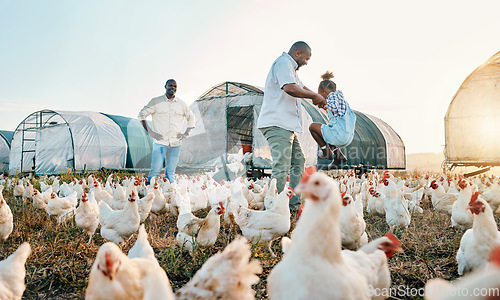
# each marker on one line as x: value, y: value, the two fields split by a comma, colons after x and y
x: 153, y: 134
x: 189, y: 115
x: 295, y: 90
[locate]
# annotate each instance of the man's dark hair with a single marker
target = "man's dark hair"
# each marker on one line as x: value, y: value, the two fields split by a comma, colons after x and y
x: 166, y: 83
x: 302, y: 46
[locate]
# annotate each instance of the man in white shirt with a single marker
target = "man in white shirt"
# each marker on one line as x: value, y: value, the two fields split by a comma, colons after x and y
x: 281, y: 115
x: 168, y: 115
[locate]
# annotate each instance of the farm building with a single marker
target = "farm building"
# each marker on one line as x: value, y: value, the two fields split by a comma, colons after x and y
x: 5, y: 139
x: 50, y: 141
x: 472, y: 122
x: 226, y: 120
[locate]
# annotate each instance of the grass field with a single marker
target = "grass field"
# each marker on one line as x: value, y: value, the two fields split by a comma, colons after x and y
x: 60, y: 262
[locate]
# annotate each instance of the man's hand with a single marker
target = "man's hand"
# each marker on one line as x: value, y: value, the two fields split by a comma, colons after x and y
x: 156, y: 136
x: 318, y: 100
x: 181, y: 136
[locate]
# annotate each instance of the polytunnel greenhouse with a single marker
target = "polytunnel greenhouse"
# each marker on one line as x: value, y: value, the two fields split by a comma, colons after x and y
x: 50, y: 141
x: 226, y: 120
x: 5, y: 139
x: 472, y: 122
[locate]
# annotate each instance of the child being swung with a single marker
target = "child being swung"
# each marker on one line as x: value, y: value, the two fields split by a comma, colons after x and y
x: 339, y: 131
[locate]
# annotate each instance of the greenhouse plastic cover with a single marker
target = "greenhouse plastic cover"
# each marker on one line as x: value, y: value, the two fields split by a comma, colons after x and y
x: 395, y: 151
x: 472, y: 123
x: 96, y: 139
x: 139, y: 142
x: 5, y: 138
x: 207, y: 145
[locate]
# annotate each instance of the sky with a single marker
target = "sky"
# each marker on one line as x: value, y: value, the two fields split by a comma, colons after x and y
x: 401, y: 61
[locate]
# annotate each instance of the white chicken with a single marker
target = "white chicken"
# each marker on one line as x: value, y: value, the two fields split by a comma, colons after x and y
x: 28, y: 191
x: 461, y: 217
x: 225, y: 275
x: 101, y: 195
x: 87, y: 215
x: 492, y: 195
x: 371, y: 262
x: 144, y: 206
x: 159, y: 205
x: 12, y: 273
x: 119, y: 197
x: 484, y: 283
x: 413, y: 200
x: 142, y: 248
x: 6, y: 218
x: 116, y: 276
x: 477, y: 242
x: 313, y: 267
x: 118, y: 225
x: 234, y: 162
x: 195, y: 231
x: 272, y: 194
x: 65, y: 190
x: 395, y: 206
x: 441, y: 201
x: 40, y: 200
x: 352, y: 225
x: 63, y: 208
x: 375, y: 205
x: 55, y: 185
x: 18, y: 190
x: 262, y: 227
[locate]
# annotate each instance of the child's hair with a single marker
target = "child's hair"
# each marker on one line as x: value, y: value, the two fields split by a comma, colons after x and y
x: 327, y: 83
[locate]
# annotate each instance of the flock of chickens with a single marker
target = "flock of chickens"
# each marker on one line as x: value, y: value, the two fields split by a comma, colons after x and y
x: 327, y: 257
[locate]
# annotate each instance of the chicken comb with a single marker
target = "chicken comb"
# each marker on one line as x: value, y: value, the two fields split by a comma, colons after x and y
x: 474, y: 197
x: 343, y: 194
x: 495, y: 256
x: 393, y: 239
x: 291, y: 191
x: 35, y: 191
x: 371, y: 189
x: 433, y: 182
x: 307, y: 173
x: 220, y: 204
x: 385, y: 172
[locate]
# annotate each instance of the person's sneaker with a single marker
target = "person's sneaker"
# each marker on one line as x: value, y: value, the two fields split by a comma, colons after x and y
x: 340, y: 158
x: 321, y: 155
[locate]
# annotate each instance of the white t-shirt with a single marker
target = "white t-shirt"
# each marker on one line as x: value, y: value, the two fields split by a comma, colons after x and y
x: 278, y: 108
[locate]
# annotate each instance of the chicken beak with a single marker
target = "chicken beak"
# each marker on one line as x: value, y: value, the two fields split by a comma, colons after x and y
x: 399, y: 250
